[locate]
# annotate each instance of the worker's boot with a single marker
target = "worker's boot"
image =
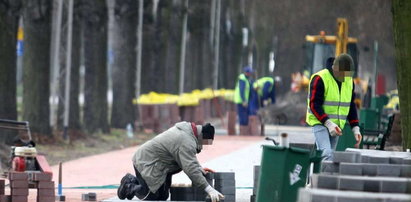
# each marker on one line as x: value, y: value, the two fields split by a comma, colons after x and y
x: 123, y: 189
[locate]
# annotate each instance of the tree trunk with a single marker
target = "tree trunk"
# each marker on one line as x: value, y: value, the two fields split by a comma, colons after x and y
x: 402, y: 37
x: 124, y: 66
x: 74, y: 114
x: 95, y: 61
x: 8, y: 39
x: 36, y: 64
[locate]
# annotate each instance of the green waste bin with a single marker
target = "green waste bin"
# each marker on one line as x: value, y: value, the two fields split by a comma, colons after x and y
x: 283, y: 172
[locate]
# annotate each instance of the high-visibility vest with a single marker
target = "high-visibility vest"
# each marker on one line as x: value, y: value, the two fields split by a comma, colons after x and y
x: 336, y: 102
x: 260, y: 84
x: 237, y: 96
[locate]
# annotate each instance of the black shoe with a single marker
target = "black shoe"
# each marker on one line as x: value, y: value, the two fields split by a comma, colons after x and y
x: 122, y: 191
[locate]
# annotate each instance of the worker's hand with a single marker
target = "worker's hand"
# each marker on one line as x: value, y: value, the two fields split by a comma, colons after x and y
x: 208, y: 170
x: 245, y: 104
x: 333, y: 128
x: 357, y: 135
x: 214, y: 194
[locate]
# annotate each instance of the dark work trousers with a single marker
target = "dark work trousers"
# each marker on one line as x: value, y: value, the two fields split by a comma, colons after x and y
x: 242, y: 114
x: 161, y: 194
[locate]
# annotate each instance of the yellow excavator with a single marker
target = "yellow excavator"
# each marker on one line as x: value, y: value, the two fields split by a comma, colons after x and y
x: 319, y: 48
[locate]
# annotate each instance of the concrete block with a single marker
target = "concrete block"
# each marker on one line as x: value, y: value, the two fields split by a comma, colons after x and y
x: 405, y: 171
x: 5, y: 198
x: 322, y: 198
x: 224, y: 175
x: 329, y: 167
x: 45, y: 192
x: 17, y: 176
x: 60, y: 198
x: 350, y: 183
x: 348, y: 157
x: 396, y: 160
x: 396, y: 185
x: 388, y: 170
x: 19, y: 198
x: 327, y: 181
x: 19, y: 192
x: 45, y: 199
x: 379, y: 160
x: 224, y: 183
x: 350, y: 169
x: 42, y: 177
x: 357, y: 199
x: 229, y: 198
x: 406, y: 161
x: 365, y: 159
x: 371, y: 185
x: 369, y: 169
x: 45, y: 185
x: 19, y: 184
x: 89, y: 196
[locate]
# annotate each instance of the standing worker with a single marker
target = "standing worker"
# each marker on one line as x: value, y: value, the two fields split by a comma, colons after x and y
x: 266, y: 90
x: 165, y: 155
x: 242, y: 98
x: 331, y: 104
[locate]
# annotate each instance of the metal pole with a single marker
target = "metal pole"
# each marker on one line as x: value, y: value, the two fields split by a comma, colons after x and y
x: 68, y: 68
x: 55, y: 62
x: 374, y: 89
x: 183, y: 49
x: 139, y: 47
x: 217, y: 44
x: 212, y: 21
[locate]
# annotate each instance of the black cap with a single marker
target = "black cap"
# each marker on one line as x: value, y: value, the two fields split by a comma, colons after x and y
x: 208, y: 131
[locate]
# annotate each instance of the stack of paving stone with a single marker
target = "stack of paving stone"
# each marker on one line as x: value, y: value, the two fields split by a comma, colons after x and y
x: 362, y: 175
x: 224, y: 182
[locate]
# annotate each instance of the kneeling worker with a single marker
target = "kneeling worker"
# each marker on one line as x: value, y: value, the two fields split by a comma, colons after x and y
x: 166, y: 154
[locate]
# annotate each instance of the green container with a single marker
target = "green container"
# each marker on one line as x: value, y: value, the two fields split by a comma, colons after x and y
x: 379, y: 102
x: 283, y: 172
x: 347, y: 140
x: 369, y: 118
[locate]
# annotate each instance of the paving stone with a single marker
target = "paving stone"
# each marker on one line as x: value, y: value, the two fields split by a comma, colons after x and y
x: 322, y: 198
x: 224, y: 175
x: 17, y: 176
x: 396, y: 185
x: 389, y: 170
x: 47, y: 192
x: 405, y: 171
x: 379, y: 160
x: 45, y: 198
x: 226, y: 190
x: 19, y: 191
x: 45, y: 185
x: 329, y: 167
x: 350, y: 169
x: 346, y: 183
x: 356, y: 199
x: 327, y: 181
x: 348, y: 157
x: 19, y: 198
x: 369, y: 169
x: 371, y: 185
x: 365, y: 159
x: 224, y: 183
x: 396, y: 160
x: 406, y: 161
x: 229, y: 198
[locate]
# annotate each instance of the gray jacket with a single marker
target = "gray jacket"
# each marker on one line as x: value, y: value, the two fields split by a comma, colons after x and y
x: 169, y: 152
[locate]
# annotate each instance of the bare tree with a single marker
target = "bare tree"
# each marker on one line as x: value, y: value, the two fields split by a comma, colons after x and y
x: 95, y: 61
x: 9, y: 15
x: 36, y: 64
x: 124, y: 66
x: 402, y: 36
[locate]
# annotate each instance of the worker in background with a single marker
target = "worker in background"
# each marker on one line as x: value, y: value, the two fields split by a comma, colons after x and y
x: 265, y: 90
x: 242, y: 98
x: 331, y: 104
x: 166, y: 154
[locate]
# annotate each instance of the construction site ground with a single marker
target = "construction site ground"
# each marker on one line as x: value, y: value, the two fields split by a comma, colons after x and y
x: 101, y: 173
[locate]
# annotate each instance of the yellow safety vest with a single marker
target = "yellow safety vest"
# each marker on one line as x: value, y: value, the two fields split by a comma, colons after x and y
x: 336, y: 103
x: 261, y: 82
x: 237, y: 96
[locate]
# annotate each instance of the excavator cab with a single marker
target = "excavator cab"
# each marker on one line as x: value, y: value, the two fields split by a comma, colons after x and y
x: 317, y: 54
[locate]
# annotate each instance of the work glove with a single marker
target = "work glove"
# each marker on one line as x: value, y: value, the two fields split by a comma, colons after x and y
x: 208, y: 170
x: 245, y: 104
x: 333, y: 128
x: 214, y: 194
x: 357, y: 135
